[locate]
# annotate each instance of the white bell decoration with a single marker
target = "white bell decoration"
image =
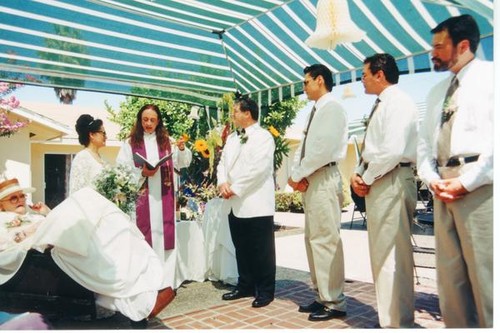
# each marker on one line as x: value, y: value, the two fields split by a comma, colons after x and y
x: 333, y: 26
x: 194, y: 112
x: 348, y: 93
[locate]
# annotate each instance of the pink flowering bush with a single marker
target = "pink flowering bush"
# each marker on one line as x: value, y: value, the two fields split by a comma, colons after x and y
x: 8, y: 128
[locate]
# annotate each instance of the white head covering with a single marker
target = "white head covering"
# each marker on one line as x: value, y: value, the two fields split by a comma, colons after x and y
x: 10, y: 186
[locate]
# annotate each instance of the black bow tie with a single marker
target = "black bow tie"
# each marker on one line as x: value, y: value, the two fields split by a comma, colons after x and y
x: 240, y: 131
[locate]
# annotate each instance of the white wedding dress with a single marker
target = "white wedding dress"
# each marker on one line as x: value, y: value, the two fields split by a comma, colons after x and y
x: 119, y: 265
x: 84, y: 169
x: 97, y: 245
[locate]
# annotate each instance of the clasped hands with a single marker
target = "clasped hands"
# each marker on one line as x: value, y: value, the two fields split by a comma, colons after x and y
x: 300, y: 186
x: 359, y: 186
x: 448, y: 190
x: 225, y: 190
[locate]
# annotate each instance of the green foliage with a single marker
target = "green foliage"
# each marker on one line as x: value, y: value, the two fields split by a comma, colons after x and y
x: 289, y: 202
x: 210, y: 127
x: 280, y: 116
x: 175, y: 115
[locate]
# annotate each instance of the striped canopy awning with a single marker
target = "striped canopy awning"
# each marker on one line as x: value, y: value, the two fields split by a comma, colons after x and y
x: 197, y: 50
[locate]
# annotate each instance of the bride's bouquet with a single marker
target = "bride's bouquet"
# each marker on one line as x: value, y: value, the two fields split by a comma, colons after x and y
x: 120, y: 184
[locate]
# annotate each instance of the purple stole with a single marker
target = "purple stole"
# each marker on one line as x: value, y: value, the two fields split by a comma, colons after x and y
x: 167, y: 197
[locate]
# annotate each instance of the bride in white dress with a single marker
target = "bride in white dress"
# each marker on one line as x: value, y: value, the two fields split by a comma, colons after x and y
x: 131, y: 261
x: 87, y: 164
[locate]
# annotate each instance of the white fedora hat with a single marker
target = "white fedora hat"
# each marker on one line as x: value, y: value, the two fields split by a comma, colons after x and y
x: 10, y: 186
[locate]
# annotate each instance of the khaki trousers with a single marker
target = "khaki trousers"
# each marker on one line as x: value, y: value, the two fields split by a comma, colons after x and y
x: 324, y: 249
x: 390, y: 205
x: 464, y: 259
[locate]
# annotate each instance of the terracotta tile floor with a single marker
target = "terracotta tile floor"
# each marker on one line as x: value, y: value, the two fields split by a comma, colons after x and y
x: 282, y: 313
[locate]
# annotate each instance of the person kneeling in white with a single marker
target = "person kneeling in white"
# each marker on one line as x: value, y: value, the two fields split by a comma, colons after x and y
x: 92, y: 241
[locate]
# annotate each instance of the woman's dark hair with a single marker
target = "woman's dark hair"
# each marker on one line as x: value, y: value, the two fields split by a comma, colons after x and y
x: 86, y: 124
x: 137, y: 133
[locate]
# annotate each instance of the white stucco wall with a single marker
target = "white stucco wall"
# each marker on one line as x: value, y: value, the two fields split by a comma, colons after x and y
x: 15, y: 156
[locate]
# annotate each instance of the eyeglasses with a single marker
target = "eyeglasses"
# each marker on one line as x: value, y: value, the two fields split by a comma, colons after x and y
x: 15, y: 198
x: 103, y: 132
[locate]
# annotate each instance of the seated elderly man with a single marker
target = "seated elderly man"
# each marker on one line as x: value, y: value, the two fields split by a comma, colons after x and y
x: 92, y: 241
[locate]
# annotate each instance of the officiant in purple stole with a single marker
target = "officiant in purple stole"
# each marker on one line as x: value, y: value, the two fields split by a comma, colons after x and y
x: 143, y: 216
x: 155, y: 209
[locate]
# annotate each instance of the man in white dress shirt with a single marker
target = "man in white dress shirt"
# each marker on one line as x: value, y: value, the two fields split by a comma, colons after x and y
x: 385, y: 178
x: 455, y: 159
x: 245, y: 180
x: 315, y: 173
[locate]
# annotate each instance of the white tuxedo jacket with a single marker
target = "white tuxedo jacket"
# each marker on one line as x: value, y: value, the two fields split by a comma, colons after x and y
x: 248, y: 168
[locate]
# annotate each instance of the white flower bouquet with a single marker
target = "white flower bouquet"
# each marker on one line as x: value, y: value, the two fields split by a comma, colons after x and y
x: 120, y: 184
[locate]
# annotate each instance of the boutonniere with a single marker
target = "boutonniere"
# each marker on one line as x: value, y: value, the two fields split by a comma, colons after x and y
x: 17, y: 222
x: 448, y: 110
x: 243, y: 136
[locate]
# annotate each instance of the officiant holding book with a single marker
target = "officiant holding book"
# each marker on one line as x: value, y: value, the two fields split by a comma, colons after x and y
x: 155, y: 210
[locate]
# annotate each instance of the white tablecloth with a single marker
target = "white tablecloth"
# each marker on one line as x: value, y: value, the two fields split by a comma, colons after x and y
x: 205, y: 250
x: 219, y: 248
x: 190, y: 253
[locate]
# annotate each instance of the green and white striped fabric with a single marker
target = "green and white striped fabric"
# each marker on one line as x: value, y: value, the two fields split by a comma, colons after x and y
x: 197, y: 50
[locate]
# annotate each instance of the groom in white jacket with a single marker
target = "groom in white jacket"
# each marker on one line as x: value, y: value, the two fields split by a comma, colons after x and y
x: 245, y: 180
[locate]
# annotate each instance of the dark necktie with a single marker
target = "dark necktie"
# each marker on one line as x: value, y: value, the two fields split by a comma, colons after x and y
x: 375, y: 106
x: 303, y: 150
x: 447, y: 117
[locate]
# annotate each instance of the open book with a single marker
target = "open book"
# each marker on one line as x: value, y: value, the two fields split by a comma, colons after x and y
x: 139, y: 159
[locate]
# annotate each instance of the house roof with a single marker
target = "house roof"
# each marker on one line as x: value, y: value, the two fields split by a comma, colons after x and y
x: 42, y: 128
x: 66, y: 116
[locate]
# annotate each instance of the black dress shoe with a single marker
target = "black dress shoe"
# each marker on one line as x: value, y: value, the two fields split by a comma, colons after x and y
x: 313, y: 307
x: 236, y: 294
x: 326, y: 314
x: 261, y: 301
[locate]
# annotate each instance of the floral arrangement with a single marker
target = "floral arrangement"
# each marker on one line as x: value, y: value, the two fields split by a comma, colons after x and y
x: 211, y: 146
x: 192, y: 199
x: 243, y: 137
x: 119, y: 184
x: 8, y: 128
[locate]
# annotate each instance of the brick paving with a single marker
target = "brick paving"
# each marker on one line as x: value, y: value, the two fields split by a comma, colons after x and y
x: 283, y: 314
x: 198, y: 305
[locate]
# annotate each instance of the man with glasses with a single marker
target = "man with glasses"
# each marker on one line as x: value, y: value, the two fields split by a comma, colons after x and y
x: 83, y: 233
x: 315, y: 173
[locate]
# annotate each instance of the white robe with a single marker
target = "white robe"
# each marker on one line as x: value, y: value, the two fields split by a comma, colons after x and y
x: 97, y: 245
x: 181, y: 159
